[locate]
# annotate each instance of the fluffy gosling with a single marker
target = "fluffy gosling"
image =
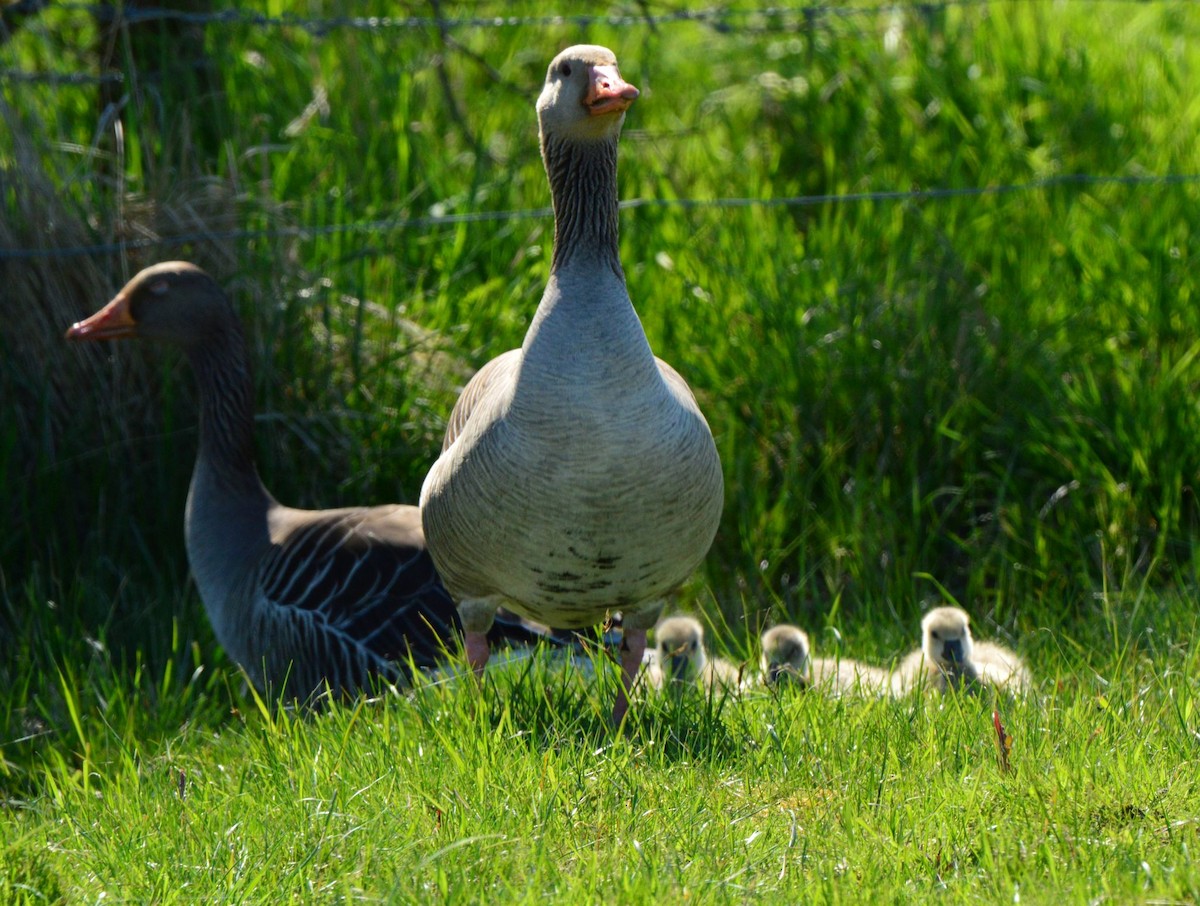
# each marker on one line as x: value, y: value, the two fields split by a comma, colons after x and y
x: 679, y: 657
x: 785, y: 656
x: 950, y: 659
x: 844, y: 676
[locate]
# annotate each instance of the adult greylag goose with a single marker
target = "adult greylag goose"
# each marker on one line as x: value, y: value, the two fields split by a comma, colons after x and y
x: 679, y: 658
x: 298, y: 598
x: 578, y: 477
x: 785, y: 655
x: 949, y: 658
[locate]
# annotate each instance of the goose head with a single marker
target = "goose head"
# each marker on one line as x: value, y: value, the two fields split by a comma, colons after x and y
x: 174, y: 301
x: 785, y: 655
x: 946, y: 638
x: 584, y: 97
x: 679, y: 642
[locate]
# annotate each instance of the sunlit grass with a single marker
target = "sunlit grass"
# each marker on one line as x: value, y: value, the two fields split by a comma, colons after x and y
x: 436, y: 796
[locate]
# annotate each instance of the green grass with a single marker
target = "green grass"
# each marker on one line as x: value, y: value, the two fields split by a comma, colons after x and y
x: 985, y: 400
x: 435, y: 798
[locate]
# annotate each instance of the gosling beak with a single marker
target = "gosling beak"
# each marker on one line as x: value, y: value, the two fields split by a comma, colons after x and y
x: 952, y: 651
x: 679, y: 667
x: 112, y: 322
x: 607, y: 91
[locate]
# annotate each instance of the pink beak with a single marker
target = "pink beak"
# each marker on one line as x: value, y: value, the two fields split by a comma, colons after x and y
x: 607, y: 91
x: 112, y: 322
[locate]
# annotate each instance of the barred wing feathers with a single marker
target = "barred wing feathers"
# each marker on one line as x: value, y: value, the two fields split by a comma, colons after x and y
x: 352, y: 593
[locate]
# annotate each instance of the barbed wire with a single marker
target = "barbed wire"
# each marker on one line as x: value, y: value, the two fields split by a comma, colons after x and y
x: 320, y: 25
x: 60, y: 78
x: 710, y: 15
x: 432, y: 221
x: 722, y: 19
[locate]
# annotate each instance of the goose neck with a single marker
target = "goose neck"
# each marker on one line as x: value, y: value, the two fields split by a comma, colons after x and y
x: 583, y: 186
x: 226, y: 391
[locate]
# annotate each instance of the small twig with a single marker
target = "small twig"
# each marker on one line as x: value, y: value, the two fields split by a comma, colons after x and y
x: 493, y: 73
x: 456, y: 114
x: 645, y: 8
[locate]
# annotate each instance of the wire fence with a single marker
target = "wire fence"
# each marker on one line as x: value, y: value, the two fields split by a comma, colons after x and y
x: 722, y: 19
x: 717, y: 16
x: 432, y: 221
x: 768, y: 18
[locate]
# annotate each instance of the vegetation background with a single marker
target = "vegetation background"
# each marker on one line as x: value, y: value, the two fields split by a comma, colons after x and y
x: 930, y: 269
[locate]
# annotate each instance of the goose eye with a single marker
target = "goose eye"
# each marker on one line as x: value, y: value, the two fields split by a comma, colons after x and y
x: 159, y: 287
x: 565, y: 69
x: 935, y: 635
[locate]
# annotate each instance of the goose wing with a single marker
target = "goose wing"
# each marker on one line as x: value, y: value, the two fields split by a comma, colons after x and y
x: 481, y: 385
x: 355, y: 592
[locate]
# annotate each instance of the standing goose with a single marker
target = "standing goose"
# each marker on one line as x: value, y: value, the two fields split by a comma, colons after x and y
x: 785, y: 655
x: 578, y: 477
x: 298, y: 598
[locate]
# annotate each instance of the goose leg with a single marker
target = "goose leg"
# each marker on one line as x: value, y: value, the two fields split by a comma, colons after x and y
x: 633, y: 646
x: 477, y: 615
x: 478, y: 651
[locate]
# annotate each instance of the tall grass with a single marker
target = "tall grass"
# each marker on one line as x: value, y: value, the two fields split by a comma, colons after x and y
x: 993, y: 390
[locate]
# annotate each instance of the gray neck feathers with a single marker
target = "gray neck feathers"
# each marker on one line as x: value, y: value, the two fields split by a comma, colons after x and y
x: 583, y: 185
x: 226, y: 410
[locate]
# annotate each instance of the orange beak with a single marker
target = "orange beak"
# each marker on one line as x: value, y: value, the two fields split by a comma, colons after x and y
x: 607, y: 91
x: 112, y: 322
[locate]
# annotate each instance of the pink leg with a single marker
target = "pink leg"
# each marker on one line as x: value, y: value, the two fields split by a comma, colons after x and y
x: 633, y: 646
x: 478, y: 652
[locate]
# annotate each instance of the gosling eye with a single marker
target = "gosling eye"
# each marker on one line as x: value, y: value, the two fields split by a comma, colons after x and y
x: 935, y: 635
x: 565, y: 69
x: 159, y: 287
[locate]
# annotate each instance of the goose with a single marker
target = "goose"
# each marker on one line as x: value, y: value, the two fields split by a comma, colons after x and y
x: 845, y: 676
x: 785, y: 655
x: 679, y: 658
x: 578, y: 477
x: 944, y: 659
x: 1002, y: 667
x: 300, y: 599
x: 950, y: 659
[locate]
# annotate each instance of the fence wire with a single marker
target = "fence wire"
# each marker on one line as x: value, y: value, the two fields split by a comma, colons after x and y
x: 433, y: 221
x: 758, y: 19
x: 722, y: 19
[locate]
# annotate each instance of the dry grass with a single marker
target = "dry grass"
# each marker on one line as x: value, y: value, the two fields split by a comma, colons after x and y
x: 68, y: 404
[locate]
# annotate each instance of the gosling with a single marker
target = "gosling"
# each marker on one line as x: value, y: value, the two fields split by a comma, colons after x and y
x: 785, y: 656
x: 949, y: 659
x: 679, y: 658
x: 844, y: 676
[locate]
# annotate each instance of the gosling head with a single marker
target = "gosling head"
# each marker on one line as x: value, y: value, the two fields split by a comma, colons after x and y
x: 946, y: 638
x: 785, y: 655
x: 679, y: 642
